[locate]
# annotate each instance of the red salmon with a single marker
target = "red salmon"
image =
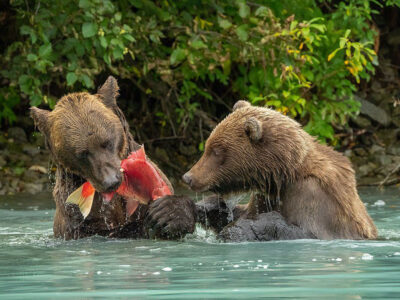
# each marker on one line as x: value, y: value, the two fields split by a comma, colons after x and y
x: 141, y: 184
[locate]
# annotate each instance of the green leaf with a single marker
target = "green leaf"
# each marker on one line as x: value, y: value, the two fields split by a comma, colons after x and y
x: 107, y: 59
x: 84, y: 3
x: 35, y: 100
x: 31, y: 57
x: 103, y: 42
x: 224, y: 24
x: 118, y: 53
x: 262, y: 11
x: 177, y: 56
x: 241, y: 31
x: 198, y: 44
x: 319, y: 27
x: 89, y: 29
x: 45, y: 50
x: 87, y: 81
x: 71, y: 78
x: 332, y: 55
x: 129, y: 38
x: 244, y: 10
x: 25, y: 83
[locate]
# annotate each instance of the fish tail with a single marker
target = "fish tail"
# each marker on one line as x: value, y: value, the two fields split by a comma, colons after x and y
x: 83, y: 197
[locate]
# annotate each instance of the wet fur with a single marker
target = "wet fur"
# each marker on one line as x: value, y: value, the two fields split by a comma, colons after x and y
x: 75, y: 117
x: 311, y: 185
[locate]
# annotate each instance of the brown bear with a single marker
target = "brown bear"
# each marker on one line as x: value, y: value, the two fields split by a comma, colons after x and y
x: 309, y: 187
x: 88, y: 136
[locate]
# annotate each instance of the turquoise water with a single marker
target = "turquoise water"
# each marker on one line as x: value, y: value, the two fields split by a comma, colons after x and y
x: 33, y: 265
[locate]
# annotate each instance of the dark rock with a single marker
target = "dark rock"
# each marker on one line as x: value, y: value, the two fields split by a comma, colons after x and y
x: 360, y: 152
x: 374, y: 112
x: 394, y: 149
x: 348, y: 153
x: 362, y: 122
x: 17, y: 134
x: 32, y: 188
x: 30, y: 149
x: 30, y: 176
x: 375, y: 149
x: 383, y: 159
x: 388, y: 136
x: 363, y: 171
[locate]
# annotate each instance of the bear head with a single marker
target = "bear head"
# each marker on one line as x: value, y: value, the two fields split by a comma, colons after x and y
x: 252, y: 148
x: 85, y: 136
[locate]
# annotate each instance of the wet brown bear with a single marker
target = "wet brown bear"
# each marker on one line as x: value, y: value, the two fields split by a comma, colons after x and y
x: 312, y: 186
x: 88, y: 137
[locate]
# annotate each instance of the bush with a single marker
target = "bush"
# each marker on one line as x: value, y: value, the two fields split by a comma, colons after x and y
x: 193, y: 55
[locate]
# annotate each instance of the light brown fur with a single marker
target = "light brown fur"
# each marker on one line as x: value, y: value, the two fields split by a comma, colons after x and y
x: 88, y: 136
x: 312, y: 185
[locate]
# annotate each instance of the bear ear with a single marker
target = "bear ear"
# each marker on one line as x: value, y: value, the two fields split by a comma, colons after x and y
x: 240, y: 104
x: 41, y: 119
x: 109, y: 92
x: 253, y: 129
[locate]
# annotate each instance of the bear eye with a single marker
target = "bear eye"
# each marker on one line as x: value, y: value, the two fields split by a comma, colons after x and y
x: 107, y: 145
x: 83, y: 155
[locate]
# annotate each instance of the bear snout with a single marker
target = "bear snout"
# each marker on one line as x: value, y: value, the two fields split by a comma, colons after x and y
x: 111, y: 182
x: 187, y: 178
x: 194, y: 182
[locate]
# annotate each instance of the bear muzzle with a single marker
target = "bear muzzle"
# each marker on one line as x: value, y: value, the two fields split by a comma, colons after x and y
x: 194, y: 184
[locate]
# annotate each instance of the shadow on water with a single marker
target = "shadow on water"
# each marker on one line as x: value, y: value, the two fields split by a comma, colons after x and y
x: 34, y: 265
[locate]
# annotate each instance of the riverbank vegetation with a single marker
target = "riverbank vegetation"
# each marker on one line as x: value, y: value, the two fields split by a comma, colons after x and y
x: 182, y: 64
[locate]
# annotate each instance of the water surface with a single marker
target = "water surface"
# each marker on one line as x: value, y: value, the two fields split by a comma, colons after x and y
x: 33, y: 265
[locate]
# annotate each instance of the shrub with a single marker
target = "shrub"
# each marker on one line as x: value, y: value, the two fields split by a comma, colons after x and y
x: 190, y: 55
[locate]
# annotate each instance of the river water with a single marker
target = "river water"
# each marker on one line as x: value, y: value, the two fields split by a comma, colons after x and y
x: 33, y: 265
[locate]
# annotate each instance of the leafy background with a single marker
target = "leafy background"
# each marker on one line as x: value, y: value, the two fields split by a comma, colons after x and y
x: 183, y: 64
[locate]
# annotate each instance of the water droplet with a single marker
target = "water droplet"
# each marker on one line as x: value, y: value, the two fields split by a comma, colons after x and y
x: 379, y: 203
x: 367, y: 256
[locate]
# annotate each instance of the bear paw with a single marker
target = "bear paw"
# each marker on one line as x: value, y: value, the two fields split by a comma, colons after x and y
x: 171, y: 217
x: 265, y: 227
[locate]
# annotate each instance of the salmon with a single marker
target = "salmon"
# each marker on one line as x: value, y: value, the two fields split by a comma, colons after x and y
x: 141, y: 184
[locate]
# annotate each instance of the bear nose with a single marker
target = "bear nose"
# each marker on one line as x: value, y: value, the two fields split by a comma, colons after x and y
x: 187, y: 178
x: 112, y: 183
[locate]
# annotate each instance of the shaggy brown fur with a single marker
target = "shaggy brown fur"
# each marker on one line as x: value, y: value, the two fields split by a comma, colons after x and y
x: 88, y: 136
x: 262, y: 150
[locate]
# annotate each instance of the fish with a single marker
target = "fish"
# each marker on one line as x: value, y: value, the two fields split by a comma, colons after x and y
x: 141, y: 183
x: 83, y: 197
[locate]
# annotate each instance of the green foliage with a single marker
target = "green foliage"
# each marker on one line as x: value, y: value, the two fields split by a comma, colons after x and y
x: 195, y: 54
